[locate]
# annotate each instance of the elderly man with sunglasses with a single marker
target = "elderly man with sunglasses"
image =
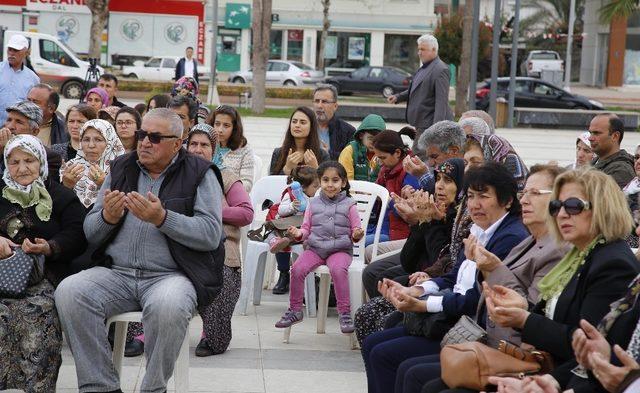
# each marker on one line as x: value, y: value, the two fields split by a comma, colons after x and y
x: 159, y: 249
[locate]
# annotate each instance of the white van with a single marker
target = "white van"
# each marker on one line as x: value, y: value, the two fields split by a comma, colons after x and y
x: 54, y: 62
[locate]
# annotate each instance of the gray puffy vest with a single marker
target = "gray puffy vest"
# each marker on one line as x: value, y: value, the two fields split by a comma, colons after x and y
x: 330, y: 227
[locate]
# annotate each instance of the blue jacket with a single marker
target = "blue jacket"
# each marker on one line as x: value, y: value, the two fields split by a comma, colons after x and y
x: 510, y: 233
x: 180, y: 69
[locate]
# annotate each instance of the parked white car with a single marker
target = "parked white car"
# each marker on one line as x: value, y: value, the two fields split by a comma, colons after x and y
x: 541, y: 60
x: 161, y: 68
x: 286, y: 73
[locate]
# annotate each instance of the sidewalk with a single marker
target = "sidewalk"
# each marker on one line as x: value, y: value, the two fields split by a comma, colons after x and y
x: 257, y: 359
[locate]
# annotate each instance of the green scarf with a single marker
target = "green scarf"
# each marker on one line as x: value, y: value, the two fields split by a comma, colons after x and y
x: 38, y: 196
x: 557, y: 279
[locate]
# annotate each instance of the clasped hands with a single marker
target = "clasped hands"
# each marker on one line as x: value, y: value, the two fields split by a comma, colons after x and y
x: 38, y: 246
x: 147, y: 209
x: 403, y: 298
x: 418, y: 206
x: 506, y: 307
x: 295, y: 233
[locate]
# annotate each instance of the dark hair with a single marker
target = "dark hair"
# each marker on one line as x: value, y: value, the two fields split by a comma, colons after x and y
x: 54, y: 97
x: 140, y: 108
x: 327, y: 87
x: 132, y: 112
x: 552, y: 171
x: 190, y: 47
x: 179, y: 101
x: 312, y: 142
x: 389, y: 141
x: 237, y: 139
x: 161, y: 101
x: 496, y: 175
x: 341, y: 172
x: 615, y: 125
x: 109, y: 77
x: 305, y: 175
x: 85, y: 110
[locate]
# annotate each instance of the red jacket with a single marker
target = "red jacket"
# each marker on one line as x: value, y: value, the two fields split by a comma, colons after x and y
x: 393, y: 180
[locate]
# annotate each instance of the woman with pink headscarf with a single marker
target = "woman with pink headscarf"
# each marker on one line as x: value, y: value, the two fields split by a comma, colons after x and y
x: 97, y: 98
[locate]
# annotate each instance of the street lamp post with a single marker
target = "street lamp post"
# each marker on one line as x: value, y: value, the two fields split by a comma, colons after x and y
x: 473, y: 74
x: 495, y: 51
x: 567, y: 65
x: 514, y: 63
x: 212, y: 94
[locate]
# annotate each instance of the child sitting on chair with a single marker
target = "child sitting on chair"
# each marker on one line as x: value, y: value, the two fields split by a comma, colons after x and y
x: 330, y: 227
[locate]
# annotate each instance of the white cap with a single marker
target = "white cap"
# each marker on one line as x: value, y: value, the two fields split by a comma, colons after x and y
x: 18, y: 42
x: 584, y: 138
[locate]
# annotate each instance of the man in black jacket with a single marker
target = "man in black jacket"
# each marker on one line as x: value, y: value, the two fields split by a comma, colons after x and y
x: 109, y: 83
x: 187, y: 66
x: 334, y: 133
x: 52, y: 128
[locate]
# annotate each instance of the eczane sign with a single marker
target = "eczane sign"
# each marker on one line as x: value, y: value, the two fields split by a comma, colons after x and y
x: 77, y: 6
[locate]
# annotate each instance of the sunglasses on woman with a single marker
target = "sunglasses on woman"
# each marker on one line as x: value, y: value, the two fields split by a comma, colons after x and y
x: 572, y: 206
x: 154, y: 137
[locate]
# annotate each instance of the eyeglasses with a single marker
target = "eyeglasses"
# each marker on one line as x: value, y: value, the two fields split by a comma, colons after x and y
x: 573, y: 206
x: 535, y: 192
x: 128, y: 123
x: 154, y: 137
x: 323, y: 102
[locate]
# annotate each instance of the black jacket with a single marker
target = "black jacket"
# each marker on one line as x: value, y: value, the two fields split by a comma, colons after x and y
x: 180, y: 69
x: 58, y: 131
x: 63, y: 231
x: 324, y: 156
x: 340, y: 134
x: 177, y: 193
x: 601, y: 280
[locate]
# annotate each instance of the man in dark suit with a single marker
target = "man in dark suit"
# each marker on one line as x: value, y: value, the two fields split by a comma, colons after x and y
x: 187, y: 66
x: 428, y: 94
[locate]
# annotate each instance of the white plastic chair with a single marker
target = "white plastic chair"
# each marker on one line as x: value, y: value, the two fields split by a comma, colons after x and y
x: 267, y: 188
x: 257, y: 174
x: 181, y: 370
x: 365, y: 195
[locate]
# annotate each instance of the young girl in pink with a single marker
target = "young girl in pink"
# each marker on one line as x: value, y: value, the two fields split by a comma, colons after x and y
x: 331, y: 225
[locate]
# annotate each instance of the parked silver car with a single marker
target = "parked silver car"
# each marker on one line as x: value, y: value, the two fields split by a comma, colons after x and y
x: 287, y: 73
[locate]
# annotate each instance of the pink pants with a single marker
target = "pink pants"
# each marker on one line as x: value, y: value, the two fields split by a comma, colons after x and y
x: 338, y: 264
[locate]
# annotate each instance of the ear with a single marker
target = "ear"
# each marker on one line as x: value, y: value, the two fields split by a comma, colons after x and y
x: 454, y: 150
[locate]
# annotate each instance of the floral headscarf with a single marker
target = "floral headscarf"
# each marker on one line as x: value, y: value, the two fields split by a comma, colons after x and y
x: 34, y: 194
x: 454, y: 168
x: 218, y: 152
x: 496, y: 148
x: 186, y: 86
x: 86, y: 188
x: 101, y: 92
x: 479, y: 126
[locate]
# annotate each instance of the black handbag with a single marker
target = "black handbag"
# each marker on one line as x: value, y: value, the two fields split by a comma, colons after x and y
x: 17, y: 273
x: 430, y: 325
x: 464, y: 331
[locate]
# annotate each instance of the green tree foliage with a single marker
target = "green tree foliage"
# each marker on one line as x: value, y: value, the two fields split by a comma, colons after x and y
x: 449, y: 35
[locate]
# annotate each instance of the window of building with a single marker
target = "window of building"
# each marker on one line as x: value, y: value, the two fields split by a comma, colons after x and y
x: 631, y: 74
x: 50, y: 51
x: 346, y: 50
x: 294, y: 45
x: 275, y: 44
x: 401, y: 51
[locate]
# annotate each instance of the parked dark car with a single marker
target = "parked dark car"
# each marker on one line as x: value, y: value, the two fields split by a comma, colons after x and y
x: 385, y: 80
x: 535, y: 93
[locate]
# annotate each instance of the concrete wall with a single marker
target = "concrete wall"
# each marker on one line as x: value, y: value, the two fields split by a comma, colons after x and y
x: 592, y: 49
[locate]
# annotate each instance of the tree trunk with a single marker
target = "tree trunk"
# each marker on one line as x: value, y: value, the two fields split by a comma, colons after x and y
x: 99, y: 15
x: 261, y: 26
x: 326, y: 23
x: 462, y: 82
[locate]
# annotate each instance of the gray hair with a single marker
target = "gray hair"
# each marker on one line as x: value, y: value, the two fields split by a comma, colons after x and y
x: 327, y: 86
x: 478, y: 126
x: 428, y: 39
x: 443, y: 135
x: 483, y: 115
x: 175, y: 123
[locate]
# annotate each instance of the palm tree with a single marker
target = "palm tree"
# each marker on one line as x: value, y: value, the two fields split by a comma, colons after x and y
x: 618, y: 8
x: 553, y: 13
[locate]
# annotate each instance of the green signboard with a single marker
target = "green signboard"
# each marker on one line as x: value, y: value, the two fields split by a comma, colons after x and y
x: 237, y: 16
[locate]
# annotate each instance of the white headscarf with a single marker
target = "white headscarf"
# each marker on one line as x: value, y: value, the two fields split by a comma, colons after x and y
x: 86, y: 188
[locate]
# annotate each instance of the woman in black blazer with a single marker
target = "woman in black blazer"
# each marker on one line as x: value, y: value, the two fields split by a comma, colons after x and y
x: 589, y: 211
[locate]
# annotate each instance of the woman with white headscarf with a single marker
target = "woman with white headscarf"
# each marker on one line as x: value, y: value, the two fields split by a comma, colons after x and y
x: 44, y: 221
x: 584, y: 153
x: 99, y: 145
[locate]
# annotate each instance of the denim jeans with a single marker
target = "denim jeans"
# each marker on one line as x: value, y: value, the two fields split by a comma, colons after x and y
x: 87, y: 299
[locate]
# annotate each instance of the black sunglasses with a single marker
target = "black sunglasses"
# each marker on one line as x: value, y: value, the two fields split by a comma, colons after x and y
x: 154, y: 137
x: 572, y: 206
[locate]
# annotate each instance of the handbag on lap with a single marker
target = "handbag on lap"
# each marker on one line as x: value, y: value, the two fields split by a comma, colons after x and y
x: 18, y: 272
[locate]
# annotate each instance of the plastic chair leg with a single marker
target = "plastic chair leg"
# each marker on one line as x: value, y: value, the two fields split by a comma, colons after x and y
x: 287, y: 335
x: 257, y: 279
x: 310, y: 295
x: 323, y: 302
x: 119, y: 341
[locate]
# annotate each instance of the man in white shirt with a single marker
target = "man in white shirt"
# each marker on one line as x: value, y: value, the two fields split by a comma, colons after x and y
x: 187, y: 66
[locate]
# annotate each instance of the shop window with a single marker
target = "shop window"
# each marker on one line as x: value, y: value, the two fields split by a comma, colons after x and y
x: 275, y: 44
x: 401, y: 51
x: 50, y: 51
x: 294, y: 44
x: 346, y: 50
x: 632, y: 60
